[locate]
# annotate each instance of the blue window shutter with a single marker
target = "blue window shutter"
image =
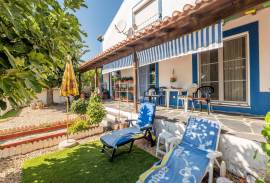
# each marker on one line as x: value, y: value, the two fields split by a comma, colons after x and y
x: 195, y: 68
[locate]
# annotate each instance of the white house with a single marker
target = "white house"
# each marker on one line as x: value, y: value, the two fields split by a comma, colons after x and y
x: 221, y: 44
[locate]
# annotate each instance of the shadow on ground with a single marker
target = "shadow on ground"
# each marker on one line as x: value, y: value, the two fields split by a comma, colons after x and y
x: 86, y: 164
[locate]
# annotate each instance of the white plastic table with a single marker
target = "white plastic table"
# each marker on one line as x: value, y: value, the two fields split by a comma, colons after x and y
x: 169, y: 142
x: 168, y: 93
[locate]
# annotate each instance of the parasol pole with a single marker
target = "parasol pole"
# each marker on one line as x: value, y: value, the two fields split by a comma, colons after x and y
x: 67, y: 115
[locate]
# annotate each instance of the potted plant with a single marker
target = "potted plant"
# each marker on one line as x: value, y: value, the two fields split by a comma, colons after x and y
x: 115, y: 125
x: 173, y: 78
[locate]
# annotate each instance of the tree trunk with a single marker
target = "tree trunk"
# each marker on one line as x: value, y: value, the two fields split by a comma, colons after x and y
x: 50, y: 96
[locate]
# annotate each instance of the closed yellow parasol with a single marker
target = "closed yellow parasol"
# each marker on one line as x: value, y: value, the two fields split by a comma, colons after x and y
x: 69, y: 86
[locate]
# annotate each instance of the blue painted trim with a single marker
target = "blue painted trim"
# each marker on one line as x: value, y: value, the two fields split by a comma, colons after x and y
x: 195, y: 68
x: 259, y: 101
x: 157, y: 75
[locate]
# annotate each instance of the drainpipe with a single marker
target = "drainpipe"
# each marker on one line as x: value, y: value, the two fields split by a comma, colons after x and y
x: 135, y: 80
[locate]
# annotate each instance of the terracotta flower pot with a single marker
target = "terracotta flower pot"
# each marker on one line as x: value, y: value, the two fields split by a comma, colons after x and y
x: 115, y: 126
x: 123, y: 125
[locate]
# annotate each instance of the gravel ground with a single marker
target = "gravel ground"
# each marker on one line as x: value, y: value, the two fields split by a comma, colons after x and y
x: 29, y: 116
x: 10, y: 168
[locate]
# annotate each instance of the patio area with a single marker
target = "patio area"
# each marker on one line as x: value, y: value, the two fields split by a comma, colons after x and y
x: 244, y: 126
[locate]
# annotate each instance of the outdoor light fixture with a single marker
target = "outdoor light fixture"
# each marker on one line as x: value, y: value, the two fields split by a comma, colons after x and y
x: 251, y: 12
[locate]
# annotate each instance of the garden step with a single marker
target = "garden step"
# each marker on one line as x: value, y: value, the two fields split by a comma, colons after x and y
x: 31, y: 138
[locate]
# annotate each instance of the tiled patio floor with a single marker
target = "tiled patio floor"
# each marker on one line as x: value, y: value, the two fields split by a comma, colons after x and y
x: 244, y: 126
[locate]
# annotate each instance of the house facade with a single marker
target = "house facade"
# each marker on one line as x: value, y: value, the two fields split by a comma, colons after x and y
x: 231, y: 53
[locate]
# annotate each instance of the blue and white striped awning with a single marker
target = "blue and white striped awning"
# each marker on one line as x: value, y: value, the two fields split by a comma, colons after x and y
x: 123, y: 63
x: 202, y: 40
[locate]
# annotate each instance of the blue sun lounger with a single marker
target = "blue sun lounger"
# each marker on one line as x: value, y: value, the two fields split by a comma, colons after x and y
x: 140, y: 128
x: 190, y: 160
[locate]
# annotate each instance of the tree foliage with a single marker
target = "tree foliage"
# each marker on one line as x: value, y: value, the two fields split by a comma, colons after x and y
x: 35, y: 38
x: 88, y: 78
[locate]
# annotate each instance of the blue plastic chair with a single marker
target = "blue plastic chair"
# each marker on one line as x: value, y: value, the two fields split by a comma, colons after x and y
x: 189, y: 161
x: 140, y: 128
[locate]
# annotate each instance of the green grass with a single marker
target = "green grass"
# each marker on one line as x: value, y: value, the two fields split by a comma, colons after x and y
x: 85, y: 164
x: 11, y: 113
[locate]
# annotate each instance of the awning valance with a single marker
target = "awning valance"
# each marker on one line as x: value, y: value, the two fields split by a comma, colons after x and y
x: 123, y: 63
x: 204, y: 39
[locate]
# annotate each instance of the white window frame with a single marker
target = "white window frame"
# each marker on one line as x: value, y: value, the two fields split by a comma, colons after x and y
x: 221, y: 73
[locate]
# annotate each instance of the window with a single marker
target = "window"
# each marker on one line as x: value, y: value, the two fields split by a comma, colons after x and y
x: 209, y: 71
x: 152, y: 76
x: 226, y: 70
x: 145, y: 13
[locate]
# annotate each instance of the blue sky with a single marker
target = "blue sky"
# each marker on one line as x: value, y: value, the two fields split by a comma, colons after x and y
x: 95, y: 20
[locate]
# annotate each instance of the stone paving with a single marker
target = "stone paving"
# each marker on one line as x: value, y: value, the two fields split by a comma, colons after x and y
x: 29, y: 116
x: 244, y: 126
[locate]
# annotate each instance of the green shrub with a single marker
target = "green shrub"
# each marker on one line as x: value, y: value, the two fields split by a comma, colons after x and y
x: 79, y: 106
x: 77, y: 126
x: 95, y: 109
x: 266, y: 145
x: 266, y: 134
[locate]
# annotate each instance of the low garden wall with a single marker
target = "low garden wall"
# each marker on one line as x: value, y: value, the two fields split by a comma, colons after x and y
x: 32, y: 144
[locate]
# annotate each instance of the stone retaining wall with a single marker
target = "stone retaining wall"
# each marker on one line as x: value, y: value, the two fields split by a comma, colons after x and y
x: 47, y: 141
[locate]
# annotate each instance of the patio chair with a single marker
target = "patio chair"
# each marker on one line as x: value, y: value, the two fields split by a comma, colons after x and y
x: 190, y: 160
x: 203, y: 95
x: 154, y: 95
x: 141, y: 129
x: 189, y: 94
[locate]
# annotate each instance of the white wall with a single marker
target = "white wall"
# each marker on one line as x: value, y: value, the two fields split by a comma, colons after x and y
x: 42, y: 96
x: 263, y: 17
x: 112, y: 37
x: 169, y: 6
x: 57, y: 98
x: 182, y: 70
x: 127, y: 73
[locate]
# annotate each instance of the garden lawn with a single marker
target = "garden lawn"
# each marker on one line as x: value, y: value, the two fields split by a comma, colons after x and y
x: 86, y: 164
